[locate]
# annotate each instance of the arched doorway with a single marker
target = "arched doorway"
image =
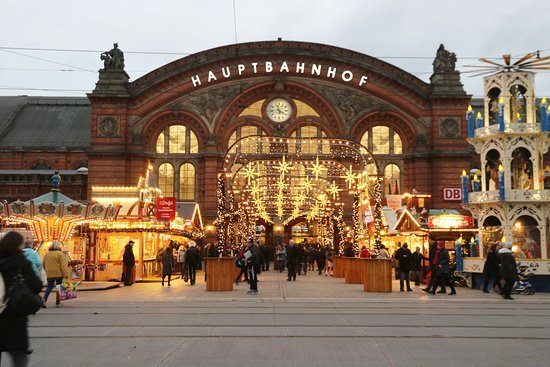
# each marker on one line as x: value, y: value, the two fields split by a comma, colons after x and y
x: 292, y: 184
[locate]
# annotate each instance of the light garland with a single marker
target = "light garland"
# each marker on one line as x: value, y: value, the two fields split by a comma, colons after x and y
x: 220, y: 220
x: 355, y: 218
x: 377, y: 213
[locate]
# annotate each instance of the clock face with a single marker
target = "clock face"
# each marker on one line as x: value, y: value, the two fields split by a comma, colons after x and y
x: 279, y: 110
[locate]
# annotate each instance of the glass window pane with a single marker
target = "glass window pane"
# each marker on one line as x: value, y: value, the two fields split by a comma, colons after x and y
x: 232, y: 139
x: 160, y: 143
x: 193, y: 143
x: 381, y: 140
x: 397, y: 144
x: 177, y: 139
x: 166, y: 179
x: 365, y: 140
x: 392, y: 179
x: 187, y: 182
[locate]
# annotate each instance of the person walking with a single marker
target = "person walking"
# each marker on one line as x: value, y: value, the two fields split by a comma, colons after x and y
x: 403, y: 256
x: 240, y: 263
x: 181, y: 260
x: 292, y: 258
x: 416, y: 265
x: 329, y: 268
x: 253, y: 263
x: 32, y: 256
x: 128, y: 264
x: 57, y: 268
x: 443, y: 270
x: 167, y: 264
x: 508, y: 269
x: 321, y: 259
x: 14, y: 338
x: 281, y: 257
x: 491, y: 269
x: 192, y: 259
x: 432, y: 269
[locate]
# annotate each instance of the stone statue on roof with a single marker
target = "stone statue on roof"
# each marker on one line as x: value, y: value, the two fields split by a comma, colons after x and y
x: 444, y: 61
x: 113, y: 59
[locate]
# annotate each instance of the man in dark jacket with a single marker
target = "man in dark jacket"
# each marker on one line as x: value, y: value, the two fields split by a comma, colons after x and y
x: 253, y: 263
x: 292, y: 258
x: 403, y: 256
x: 491, y: 270
x: 443, y: 269
x: 14, y: 338
x: 416, y: 264
x: 432, y: 268
x: 129, y: 263
x: 192, y: 259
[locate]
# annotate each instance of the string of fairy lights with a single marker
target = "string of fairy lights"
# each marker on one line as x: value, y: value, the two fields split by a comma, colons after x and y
x: 279, y: 183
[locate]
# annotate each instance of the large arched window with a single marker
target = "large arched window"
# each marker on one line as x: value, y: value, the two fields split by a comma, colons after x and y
x: 392, y: 179
x: 310, y: 146
x: 166, y: 179
x: 382, y: 140
x: 177, y: 139
x: 247, y: 146
x: 187, y: 182
x: 175, y: 146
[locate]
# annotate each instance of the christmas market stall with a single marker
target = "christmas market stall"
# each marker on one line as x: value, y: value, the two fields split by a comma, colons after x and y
x: 145, y: 217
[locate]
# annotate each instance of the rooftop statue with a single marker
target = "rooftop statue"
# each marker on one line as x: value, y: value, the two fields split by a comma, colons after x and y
x: 445, y: 61
x: 113, y: 59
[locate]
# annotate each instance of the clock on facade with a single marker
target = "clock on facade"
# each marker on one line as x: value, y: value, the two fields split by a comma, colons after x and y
x: 279, y: 110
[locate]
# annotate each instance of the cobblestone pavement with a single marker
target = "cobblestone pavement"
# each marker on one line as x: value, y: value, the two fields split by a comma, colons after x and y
x: 314, y: 321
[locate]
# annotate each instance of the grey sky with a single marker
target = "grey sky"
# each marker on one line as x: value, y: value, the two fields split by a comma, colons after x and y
x: 389, y: 29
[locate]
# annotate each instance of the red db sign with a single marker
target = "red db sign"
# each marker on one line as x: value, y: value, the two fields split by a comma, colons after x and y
x: 452, y: 194
x: 166, y: 208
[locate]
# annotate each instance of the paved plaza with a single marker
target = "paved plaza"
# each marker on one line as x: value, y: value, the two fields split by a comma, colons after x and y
x: 314, y: 321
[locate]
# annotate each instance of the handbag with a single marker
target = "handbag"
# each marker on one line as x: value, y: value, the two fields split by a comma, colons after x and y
x: 22, y: 301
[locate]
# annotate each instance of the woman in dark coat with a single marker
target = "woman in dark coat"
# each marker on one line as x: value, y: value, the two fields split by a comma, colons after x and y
x: 128, y: 262
x: 13, y: 327
x: 167, y: 264
x: 491, y: 269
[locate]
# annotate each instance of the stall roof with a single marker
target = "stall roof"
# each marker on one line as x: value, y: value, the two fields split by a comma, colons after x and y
x: 53, y: 196
x: 191, y: 211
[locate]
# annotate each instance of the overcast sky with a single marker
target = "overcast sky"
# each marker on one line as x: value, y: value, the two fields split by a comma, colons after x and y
x: 405, y: 33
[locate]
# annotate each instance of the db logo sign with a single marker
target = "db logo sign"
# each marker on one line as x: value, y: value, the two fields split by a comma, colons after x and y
x: 452, y: 194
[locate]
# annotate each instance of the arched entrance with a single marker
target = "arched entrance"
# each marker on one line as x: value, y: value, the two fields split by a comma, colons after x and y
x: 285, y: 181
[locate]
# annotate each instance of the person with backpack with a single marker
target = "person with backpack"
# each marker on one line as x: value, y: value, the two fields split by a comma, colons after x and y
x: 14, y: 339
x: 57, y: 268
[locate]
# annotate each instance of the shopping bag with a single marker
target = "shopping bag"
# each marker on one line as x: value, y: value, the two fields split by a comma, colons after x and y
x: 43, y: 276
x: 66, y: 291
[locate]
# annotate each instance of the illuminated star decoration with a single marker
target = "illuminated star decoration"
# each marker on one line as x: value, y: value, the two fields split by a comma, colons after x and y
x: 317, y: 168
x: 255, y: 189
x: 283, y: 167
x: 307, y: 184
x: 333, y: 189
x: 350, y: 177
x: 249, y: 173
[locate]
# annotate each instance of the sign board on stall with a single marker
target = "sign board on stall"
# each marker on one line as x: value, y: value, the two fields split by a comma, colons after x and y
x: 452, y: 194
x: 166, y: 208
